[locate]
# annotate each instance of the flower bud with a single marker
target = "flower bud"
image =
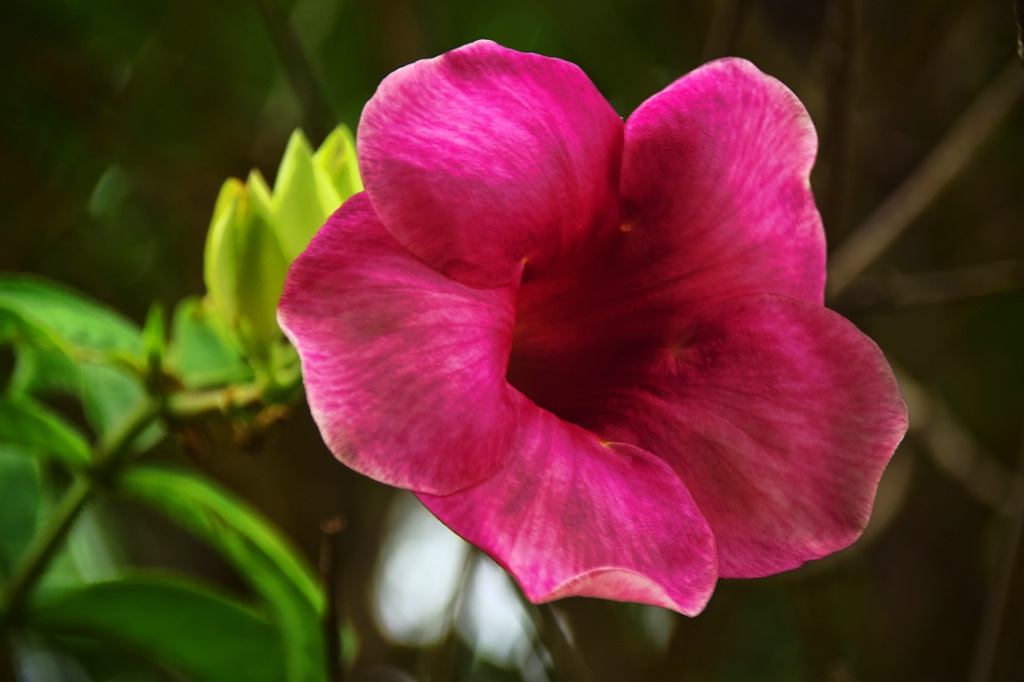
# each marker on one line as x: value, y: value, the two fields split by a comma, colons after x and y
x: 295, y: 208
x: 245, y: 266
x: 337, y: 170
x: 256, y: 233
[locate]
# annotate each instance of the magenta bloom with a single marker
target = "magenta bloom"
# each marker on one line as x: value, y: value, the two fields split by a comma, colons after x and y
x: 596, y: 350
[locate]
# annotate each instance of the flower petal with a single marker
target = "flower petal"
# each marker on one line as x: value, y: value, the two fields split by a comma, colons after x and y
x: 485, y: 156
x: 571, y: 515
x: 404, y: 369
x: 715, y: 186
x: 780, y: 417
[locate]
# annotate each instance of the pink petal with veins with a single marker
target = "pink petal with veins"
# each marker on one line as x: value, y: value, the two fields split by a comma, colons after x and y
x: 715, y: 184
x: 779, y: 416
x: 572, y: 516
x: 599, y: 355
x: 485, y: 156
x: 404, y: 369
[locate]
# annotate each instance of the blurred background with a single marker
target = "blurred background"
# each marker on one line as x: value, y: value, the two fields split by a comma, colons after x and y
x: 120, y: 121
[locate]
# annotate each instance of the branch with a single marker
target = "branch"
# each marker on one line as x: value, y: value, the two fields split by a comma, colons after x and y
x: 320, y: 120
x: 994, y: 636
x: 840, y: 44
x: 1018, y: 16
x: 953, y: 152
x: 953, y: 448
x: 721, y: 34
x: 924, y: 288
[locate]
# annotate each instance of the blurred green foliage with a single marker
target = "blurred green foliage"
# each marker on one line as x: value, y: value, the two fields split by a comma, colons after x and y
x: 121, y: 121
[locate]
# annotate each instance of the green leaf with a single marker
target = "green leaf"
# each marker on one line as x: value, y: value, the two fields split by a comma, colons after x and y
x: 68, y: 315
x: 154, y: 338
x: 184, y: 625
x: 22, y: 497
x: 274, y: 569
x: 19, y: 331
x: 84, y: 659
x: 41, y: 371
x: 201, y: 352
x: 35, y: 659
x: 26, y: 424
x: 107, y: 392
x: 97, y: 345
x: 111, y: 394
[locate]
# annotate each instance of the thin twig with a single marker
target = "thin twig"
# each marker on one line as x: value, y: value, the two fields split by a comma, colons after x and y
x: 992, y: 637
x: 721, y: 34
x: 330, y: 530
x: 925, y: 288
x: 893, y: 217
x: 953, y: 448
x: 566, y: 658
x: 1018, y: 16
x: 319, y: 119
x: 839, y: 51
x: 186, y: 404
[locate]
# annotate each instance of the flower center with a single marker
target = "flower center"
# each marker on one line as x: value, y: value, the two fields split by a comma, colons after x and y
x: 575, y: 332
x: 554, y: 368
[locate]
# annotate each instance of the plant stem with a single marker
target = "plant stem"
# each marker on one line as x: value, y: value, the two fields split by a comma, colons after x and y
x: 112, y: 449
x: 187, y: 404
x: 184, y: 404
x: 109, y: 454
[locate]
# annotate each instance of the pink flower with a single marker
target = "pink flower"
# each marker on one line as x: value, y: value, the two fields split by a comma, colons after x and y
x: 596, y: 350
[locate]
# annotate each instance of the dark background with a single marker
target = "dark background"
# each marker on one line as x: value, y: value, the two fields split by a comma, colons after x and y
x: 120, y: 120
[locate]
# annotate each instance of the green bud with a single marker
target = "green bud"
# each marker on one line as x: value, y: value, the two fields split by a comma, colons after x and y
x: 220, y: 262
x: 262, y: 268
x: 260, y: 192
x: 337, y: 170
x: 310, y: 187
x: 245, y: 267
x: 256, y: 233
x: 296, y: 209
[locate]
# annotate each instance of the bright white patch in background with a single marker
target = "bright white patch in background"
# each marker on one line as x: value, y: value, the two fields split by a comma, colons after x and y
x: 34, y: 661
x: 417, y: 575
x: 495, y: 624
